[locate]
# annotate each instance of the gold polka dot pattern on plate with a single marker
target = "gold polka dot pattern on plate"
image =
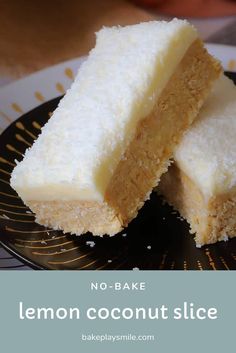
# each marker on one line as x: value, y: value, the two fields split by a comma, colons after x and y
x: 69, y: 73
x: 60, y: 88
x: 21, y: 139
x: 231, y: 65
x: 17, y: 108
x: 199, y: 265
x: 20, y: 126
x: 224, y: 263
x: 13, y: 149
x: 210, y: 259
x: 39, y: 96
x: 5, y: 161
x: 36, y: 125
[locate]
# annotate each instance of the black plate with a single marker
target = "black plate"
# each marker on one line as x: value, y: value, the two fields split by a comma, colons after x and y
x: 157, y: 239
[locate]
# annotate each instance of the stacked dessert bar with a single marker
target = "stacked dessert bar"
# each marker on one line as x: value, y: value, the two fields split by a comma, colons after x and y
x: 133, y: 106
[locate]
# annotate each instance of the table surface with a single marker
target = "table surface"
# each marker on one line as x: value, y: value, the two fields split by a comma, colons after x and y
x: 213, y: 30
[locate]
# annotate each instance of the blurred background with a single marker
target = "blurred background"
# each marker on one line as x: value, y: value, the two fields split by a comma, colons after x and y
x: 37, y: 34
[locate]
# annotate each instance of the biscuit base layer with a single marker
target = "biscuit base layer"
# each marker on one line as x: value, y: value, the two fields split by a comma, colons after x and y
x: 77, y: 217
x: 211, y: 219
x: 147, y: 156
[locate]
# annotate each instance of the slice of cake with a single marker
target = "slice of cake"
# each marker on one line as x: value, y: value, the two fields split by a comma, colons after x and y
x: 201, y: 183
x: 112, y: 135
